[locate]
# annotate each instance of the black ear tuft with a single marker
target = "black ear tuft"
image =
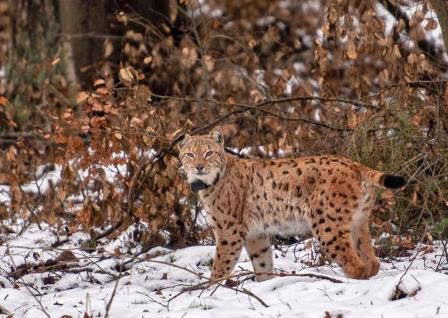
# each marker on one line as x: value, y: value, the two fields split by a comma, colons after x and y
x: 393, y: 182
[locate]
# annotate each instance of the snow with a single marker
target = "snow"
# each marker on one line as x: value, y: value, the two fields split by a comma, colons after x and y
x: 152, y: 278
x: 45, y: 180
x: 4, y: 194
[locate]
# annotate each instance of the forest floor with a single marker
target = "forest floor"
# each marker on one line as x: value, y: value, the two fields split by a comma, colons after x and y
x: 38, y: 280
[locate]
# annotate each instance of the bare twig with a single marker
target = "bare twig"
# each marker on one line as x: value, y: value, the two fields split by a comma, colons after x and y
x: 109, y: 231
x: 312, y: 275
x: 354, y: 102
x: 109, y: 304
x: 249, y: 293
x: 397, y: 290
x: 152, y: 299
x: 205, y: 285
x: 220, y: 283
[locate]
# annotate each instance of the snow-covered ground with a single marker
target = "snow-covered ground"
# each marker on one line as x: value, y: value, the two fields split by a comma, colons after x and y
x: 153, y: 282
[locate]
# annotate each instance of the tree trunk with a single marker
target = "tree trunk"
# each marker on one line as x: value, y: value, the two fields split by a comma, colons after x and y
x: 441, y: 9
x: 84, y: 29
x: 86, y: 25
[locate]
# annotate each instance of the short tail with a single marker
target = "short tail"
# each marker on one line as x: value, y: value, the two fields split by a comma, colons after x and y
x: 383, y: 180
x: 393, y: 182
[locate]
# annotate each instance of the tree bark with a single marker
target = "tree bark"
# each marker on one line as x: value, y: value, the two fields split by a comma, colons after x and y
x: 84, y: 28
x: 86, y: 24
x: 441, y: 9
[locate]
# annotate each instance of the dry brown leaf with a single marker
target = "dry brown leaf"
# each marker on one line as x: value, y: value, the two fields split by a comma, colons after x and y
x: 147, y: 60
x: 426, y: 249
x: 209, y: 62
x: 66, y: 257
x: 412, y: 58
x: 396, y: 51
x: 82, y: 97
x: 352, y: 120
x: 351, y: 50
x: 431, y: 24
x: 127, y: 76
x: 231, y: 100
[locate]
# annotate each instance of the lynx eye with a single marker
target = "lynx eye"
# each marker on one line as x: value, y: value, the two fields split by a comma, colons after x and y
x: 208, y: 154
x: 189, y: 155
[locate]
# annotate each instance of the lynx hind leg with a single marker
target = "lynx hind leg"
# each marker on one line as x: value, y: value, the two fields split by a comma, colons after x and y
x: 336, y: 239
x: 365, y: 249
x: 260, y: 254
x: 361, y: 235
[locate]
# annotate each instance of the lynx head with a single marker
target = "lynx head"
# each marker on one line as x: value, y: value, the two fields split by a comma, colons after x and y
x: 203, y: 159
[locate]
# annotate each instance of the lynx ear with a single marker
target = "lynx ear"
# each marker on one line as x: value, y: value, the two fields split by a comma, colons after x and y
x: 217, y: 135
x: 184, y: 140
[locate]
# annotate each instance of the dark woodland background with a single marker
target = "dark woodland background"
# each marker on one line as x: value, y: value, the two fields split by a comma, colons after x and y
x: 89, y: 85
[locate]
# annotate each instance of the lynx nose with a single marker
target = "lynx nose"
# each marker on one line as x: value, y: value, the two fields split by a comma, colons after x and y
x: 199, y: 167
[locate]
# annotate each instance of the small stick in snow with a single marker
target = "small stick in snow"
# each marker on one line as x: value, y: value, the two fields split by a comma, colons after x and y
x: 109, y: 304
x: 398, y: 293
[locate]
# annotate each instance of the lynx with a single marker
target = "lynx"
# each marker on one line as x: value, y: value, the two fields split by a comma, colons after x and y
x: 248, y: 201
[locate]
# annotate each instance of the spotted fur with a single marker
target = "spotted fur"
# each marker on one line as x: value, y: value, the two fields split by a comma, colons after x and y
x: 248, y: 201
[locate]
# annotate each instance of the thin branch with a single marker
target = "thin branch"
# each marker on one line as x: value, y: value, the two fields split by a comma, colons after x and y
x: 238, y: 275
x: 109, y: 304
x: 89, y: 35
x: 259, y: 108
x: 312, y: 275
x: 220, y: 283
x: 249, y: 293
x: 397, y: 290
x: 354, y: 102
x: 109, y: 231
x: 152, y: 299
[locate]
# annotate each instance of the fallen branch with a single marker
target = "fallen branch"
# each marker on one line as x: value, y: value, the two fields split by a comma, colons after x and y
x: 222, y: 282
x: 56, y: 265
x: 312, y: 275
x: 31, y: 268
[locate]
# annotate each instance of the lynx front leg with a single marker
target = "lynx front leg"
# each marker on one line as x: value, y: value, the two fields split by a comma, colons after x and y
x: 260, y: 253
x: 228, y: 249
